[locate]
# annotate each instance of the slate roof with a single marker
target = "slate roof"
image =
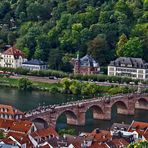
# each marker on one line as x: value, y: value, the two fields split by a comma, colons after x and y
x: 88, y: 61
x: 119, y: 126
x: 34, y: 62
x: 126, y: 61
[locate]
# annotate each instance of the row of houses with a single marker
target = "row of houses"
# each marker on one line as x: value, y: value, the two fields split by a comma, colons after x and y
x: 135, y: 68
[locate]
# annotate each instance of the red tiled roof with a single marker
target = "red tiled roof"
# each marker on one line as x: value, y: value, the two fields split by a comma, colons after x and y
x: 139, y: 127
x: 8, y: 141
x: 101, y: 136
x: 21, y: 138
x: 6, y: 109
x: 98, y: 145
x: 146, y: 135
x: 16, y: 125
x: 14, y: 51
x: 120, y: 142
x: 44, y: 133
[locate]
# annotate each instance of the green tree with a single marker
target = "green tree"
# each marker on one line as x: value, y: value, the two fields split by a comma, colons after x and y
x: 120, y: 45
x: 97, y: 48
x: 24, y: 84
x: 133, y: 48
x: 55, y: 59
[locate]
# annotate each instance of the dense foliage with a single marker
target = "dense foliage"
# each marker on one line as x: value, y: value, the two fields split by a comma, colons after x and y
x: 24, y: 84
x: 143, y: 144
x: 88, y: 88
x: 54, y: 30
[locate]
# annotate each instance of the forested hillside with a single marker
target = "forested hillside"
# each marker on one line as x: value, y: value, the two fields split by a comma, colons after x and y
x: 55, y: 30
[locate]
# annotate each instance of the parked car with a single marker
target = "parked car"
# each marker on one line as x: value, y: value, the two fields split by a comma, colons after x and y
x: 53, y: 77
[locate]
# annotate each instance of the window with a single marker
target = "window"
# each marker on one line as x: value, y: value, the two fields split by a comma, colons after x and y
x: 140, y: 76
x: 111, y: 69
x: 140, y: 71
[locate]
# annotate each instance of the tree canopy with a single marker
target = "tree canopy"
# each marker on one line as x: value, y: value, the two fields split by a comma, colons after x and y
x: 53, y: 29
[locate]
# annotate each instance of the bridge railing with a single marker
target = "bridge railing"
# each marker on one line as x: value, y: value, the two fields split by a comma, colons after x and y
x: 51, y: 108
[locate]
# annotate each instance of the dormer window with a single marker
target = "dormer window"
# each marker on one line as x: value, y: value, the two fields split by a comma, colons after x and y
x: 122, y: 64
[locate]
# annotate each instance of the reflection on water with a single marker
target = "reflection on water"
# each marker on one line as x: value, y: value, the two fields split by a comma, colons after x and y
x: 140, y: 115
x: 28, y: 100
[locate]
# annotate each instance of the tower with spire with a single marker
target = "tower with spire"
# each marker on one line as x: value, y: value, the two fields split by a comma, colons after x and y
x: 77, y: 64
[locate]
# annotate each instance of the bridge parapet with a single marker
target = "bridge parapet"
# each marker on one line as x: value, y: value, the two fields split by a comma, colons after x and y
x: 101, y: 108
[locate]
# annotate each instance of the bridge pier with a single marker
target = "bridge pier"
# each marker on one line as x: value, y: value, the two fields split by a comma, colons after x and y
x: 81, y: 118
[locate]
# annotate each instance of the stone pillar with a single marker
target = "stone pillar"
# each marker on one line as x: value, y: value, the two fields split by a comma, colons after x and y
x: 131, y: 107
x: 81, y: 118
x: 107, y: 112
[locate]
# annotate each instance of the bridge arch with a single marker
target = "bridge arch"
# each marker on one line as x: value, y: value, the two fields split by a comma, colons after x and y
x: 71, y: 117
x: 97, y: 111
x: 40, y: 123
x: 141, y: 103
x: 121, y: 106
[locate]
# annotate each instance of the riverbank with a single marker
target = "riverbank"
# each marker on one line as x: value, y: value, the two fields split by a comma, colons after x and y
x: 65, y: 86
x: 36, y: 85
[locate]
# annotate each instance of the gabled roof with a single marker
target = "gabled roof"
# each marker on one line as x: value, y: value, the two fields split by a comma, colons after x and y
x: 19, y: 137
x: 14, y: 51
x: 87, y: 61
x: 7, y: 109
x: 34, y: 62
x: 139, y: 127
x: 101, y: 135
x: 44, y: 133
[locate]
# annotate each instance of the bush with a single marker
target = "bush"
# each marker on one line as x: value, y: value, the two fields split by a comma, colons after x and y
x: 67, y: 131
x: 54, y: 89
x: 24, y: 84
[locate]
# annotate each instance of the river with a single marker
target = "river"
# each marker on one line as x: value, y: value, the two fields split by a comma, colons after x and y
x: 31, y: 99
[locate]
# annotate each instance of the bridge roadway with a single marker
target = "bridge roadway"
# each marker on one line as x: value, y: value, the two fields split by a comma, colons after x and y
x: 75, y: 111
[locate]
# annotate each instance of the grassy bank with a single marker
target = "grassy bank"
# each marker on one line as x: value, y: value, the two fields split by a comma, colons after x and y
x: 66, y: 86
x: 13, y: 82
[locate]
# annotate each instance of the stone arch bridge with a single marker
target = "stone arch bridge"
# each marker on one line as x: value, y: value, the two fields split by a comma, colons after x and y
x: 102, y: 107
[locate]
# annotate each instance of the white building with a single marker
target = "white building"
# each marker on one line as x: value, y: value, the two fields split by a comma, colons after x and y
x: 12, y: 57
x: 134, y: 68
x: 34, y: 64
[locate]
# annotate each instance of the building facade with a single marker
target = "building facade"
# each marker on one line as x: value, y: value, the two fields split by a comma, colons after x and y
x: 34, y: 64
x: 12, y: 57
x: 85, y: 65
x: 134, y: 68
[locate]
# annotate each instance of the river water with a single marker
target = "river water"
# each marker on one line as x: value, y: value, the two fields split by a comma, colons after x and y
x: 31, y: 99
